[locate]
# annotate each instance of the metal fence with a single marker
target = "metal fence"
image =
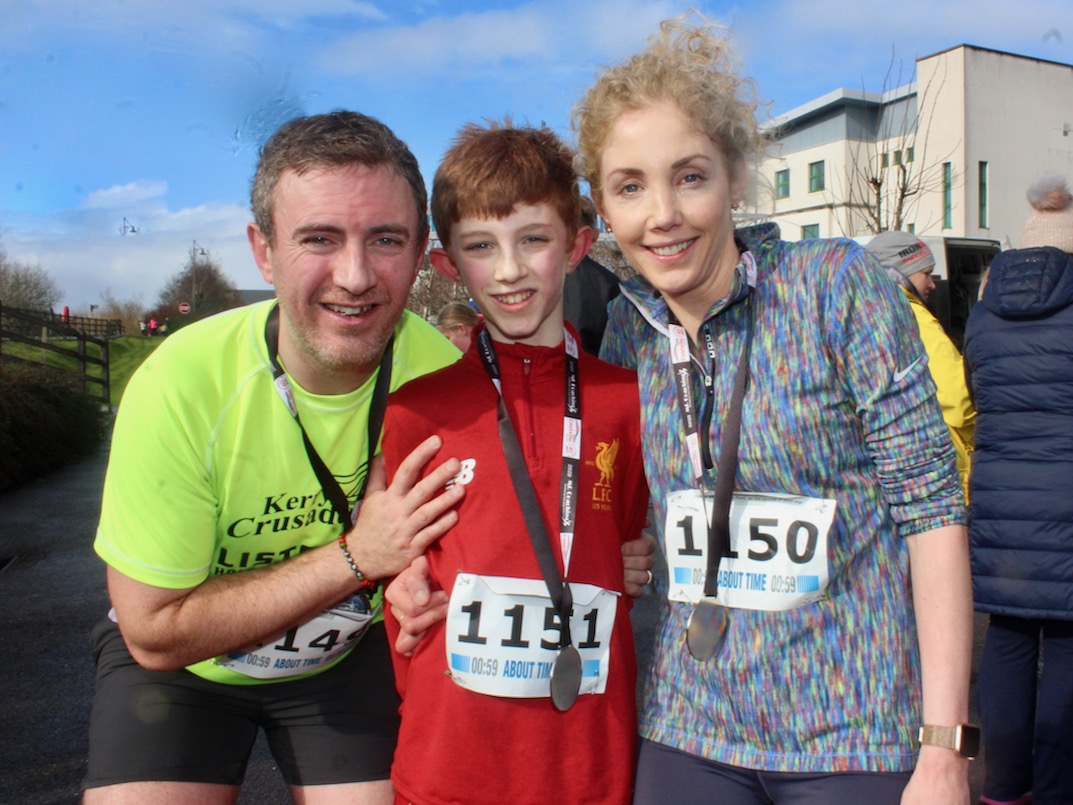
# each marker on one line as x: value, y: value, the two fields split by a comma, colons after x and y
x: 67, y: 336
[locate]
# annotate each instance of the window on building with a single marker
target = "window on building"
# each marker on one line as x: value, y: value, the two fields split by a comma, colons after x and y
x: 810, y: 231
x: 815, y: 177
x: 897, y: 157
x: 909, y: 154
x: 884, y: 160
x: 782, y: 184
x: 985, y: 214
x: 948, y: 195
x: 911, y: 229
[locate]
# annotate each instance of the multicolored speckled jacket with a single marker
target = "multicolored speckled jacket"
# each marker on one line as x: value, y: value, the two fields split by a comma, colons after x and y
x: 839, y: 405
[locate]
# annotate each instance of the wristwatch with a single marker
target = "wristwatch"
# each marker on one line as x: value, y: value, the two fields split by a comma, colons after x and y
x: 963, y: 739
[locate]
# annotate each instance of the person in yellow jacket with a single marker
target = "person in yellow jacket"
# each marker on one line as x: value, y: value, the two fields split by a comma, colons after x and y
x: 910, y: 263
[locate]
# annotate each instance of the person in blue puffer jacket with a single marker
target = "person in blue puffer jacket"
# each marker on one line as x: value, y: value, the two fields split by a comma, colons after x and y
x: 1019, y: 362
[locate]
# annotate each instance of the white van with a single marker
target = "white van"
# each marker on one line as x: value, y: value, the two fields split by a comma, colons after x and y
x: 959, y: 266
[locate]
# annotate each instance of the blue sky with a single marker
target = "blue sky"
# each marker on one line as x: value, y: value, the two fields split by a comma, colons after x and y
x: 151, y: 112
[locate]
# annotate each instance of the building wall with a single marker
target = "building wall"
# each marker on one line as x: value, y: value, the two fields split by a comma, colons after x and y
x: 1021, y: 124
x: 975, y: 105
x: 804, y: 207
x: 940, y: 139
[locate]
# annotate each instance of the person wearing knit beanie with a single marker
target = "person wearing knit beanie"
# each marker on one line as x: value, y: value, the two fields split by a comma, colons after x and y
x: 909, y: 262
x: 906, y: 259
x: 1051, y: 221
x: 1018, y: 354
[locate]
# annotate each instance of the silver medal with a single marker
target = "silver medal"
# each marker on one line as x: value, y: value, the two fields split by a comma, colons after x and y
x: 566, y: 678
x: 707, y: 629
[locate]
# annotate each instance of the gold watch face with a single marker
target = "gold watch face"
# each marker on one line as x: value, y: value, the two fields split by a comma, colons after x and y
x: 968, y: 740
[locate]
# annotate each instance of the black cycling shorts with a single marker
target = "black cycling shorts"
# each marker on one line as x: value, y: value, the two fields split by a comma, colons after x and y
x: 339, y: 726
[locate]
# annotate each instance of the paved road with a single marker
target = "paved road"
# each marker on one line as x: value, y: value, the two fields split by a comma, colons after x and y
x: 51, y: 593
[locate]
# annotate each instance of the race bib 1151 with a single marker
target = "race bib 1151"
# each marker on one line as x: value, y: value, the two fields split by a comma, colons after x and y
x: 503, y: 634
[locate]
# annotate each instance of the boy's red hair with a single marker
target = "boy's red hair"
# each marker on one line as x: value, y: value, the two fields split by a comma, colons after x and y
x: 488, y: 171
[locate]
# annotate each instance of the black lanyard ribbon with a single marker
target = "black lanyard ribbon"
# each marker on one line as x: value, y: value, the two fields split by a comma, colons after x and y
x: 566, y: 673
x: 706, y: 630
x: 330, y: 486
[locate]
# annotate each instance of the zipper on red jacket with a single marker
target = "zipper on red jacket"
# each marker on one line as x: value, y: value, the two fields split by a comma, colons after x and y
x: 527, y: 400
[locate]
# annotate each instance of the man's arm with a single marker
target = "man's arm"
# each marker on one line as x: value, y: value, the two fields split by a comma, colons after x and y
x: 942, y: 598
x: 168, y: 629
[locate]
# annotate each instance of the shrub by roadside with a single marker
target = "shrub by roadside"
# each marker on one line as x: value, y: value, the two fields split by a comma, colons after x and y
x: 46, y: 421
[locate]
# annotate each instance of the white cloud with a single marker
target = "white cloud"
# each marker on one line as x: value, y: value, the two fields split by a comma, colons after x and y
x: 611, y: 30
x: 801, y: 49
x: 952, y: 21
x: 85, y: 253
x: 126, y: 196
x: 169, y: 25
x: 242, y: 66
x: 288, y: 9
x: 549, y: 35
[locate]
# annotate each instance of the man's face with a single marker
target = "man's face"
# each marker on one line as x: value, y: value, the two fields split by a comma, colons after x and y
x: 345, y: 253
x: 923, y: 282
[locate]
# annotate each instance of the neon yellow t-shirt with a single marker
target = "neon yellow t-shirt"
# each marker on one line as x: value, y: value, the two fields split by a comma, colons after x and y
x: 208, y: 474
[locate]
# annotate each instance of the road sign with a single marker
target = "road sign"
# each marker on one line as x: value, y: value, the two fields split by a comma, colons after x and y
x: 184, y: 307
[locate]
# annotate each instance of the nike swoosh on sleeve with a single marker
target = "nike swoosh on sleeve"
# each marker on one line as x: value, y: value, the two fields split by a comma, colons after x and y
x: 901, y: 374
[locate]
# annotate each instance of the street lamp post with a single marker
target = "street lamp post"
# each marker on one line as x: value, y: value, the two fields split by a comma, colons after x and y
x: 195, y: 250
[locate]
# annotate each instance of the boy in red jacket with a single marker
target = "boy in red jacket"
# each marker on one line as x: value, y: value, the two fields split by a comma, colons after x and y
x: 525, y: 694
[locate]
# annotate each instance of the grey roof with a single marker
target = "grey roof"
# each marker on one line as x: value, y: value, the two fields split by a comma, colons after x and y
x: 249, y: 297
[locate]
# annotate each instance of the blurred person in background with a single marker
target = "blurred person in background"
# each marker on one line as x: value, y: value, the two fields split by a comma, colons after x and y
x: 456, y: 320
x: 909, y: 262
x: 1019, y: 357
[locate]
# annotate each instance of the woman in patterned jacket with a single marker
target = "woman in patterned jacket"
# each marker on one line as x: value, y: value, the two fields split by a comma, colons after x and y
x: 815, y: 623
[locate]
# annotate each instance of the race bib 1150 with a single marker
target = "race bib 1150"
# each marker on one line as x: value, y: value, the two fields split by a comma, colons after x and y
x: 778, y: 549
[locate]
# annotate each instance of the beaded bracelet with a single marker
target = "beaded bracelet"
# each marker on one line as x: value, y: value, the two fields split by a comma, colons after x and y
x: 364, y: 582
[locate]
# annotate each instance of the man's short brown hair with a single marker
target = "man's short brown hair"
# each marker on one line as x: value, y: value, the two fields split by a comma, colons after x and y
x: 335, y: 139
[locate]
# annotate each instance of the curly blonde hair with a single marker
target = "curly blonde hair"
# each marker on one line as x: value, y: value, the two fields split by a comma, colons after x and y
x: 691, y: 65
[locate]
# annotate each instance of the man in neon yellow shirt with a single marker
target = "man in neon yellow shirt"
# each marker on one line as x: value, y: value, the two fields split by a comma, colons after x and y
x: 241, y: 569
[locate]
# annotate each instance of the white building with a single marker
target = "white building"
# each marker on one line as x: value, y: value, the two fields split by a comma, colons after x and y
x: 964, y: 141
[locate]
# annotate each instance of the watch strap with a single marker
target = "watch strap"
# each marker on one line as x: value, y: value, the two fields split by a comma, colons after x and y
x: 962, y: 738
x: 946, y: 737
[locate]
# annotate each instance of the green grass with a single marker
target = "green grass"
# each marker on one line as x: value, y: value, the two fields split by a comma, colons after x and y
x: 125, y: 354
x: 47, y: 420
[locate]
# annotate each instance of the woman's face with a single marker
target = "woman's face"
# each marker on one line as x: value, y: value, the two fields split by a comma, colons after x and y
x: 667, y: 194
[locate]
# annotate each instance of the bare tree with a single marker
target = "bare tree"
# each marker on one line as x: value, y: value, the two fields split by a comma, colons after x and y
x: 887, y: 176
x: 26, y: 286
x: 607, y: 253
x: 202, y: 284
x: 130, y: 311
x: 431, y: 291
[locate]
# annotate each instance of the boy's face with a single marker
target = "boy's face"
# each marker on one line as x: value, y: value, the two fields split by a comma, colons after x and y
x: 514, y: 268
